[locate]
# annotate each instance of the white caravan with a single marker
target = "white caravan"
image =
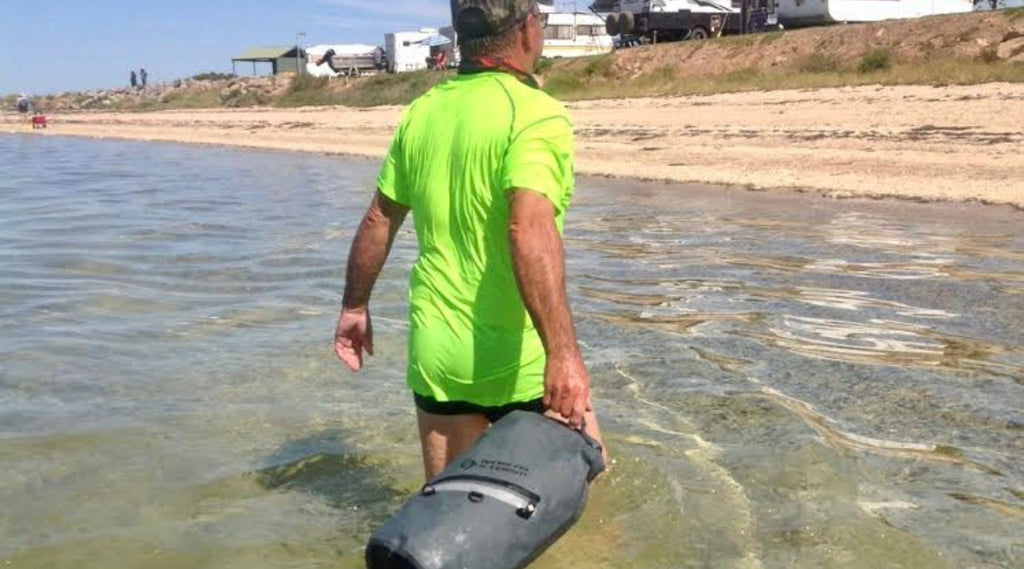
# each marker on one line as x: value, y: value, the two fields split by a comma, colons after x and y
x: 575, y: 35
x: 796, y: 13
x: 407, y: 51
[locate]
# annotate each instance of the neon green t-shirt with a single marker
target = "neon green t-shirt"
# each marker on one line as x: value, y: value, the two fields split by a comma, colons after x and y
x: 457, y: 152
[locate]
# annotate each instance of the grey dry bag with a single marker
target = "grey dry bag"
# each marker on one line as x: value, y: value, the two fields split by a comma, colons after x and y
x: 499, y: 505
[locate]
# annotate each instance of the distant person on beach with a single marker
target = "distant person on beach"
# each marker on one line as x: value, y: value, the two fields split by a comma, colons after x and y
x: 24, y: 105
x: 134, y: 79
x: 485, y: 164
x: 441, y: 61
x: 143, y: 77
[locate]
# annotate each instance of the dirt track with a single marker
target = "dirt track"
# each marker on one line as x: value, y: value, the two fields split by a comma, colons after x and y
x: 925, y: 143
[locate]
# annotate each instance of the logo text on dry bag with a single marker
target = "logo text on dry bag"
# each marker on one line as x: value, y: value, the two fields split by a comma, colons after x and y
x: 496, y: 466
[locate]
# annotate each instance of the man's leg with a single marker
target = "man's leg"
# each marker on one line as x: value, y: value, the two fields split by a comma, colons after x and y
x: 445, y: 437
x: 594, y: 431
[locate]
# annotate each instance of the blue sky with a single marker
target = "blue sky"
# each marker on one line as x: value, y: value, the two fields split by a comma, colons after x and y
x: 62, y: 45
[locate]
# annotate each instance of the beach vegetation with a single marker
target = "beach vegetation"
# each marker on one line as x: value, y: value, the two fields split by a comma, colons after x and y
x: 989, y: 54
x: 569, y: 86
x: 563, y: 83
x: 213, y: 76
x: 397, y: 89
x: 308, y: 91
x: 599, y: 66
x: 879, y: 59
x: 374, y: 90
x: 819, y: 62
x: 544, y: 65
x: 239, y: 97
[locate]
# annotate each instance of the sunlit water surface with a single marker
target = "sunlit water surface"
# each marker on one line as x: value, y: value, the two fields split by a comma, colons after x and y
x: 785, y: 381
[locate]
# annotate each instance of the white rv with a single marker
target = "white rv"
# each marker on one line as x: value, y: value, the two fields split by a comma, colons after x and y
x: 407, y: 51
x: 575, y: 35
x: 796, y: 13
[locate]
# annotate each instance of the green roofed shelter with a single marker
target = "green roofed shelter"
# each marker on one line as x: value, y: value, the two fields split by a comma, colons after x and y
x: 282, y: 59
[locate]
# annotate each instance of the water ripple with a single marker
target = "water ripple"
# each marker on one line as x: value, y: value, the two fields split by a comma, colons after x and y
x: 884, y: 342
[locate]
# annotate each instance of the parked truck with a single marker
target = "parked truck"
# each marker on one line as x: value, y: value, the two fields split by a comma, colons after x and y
x: 350, y: 60
x: 674, y: 20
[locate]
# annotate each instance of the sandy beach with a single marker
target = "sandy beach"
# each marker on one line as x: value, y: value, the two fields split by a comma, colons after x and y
x: 958, y: 143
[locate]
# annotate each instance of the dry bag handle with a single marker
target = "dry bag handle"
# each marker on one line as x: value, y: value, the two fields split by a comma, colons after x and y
x: 581, y: 430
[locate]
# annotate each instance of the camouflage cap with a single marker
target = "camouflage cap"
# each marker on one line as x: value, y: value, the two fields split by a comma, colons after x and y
x: 481, y: 18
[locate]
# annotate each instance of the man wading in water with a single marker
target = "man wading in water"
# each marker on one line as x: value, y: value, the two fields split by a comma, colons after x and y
x: 485, y: 164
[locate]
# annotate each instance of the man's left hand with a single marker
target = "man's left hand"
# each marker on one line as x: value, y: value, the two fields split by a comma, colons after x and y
x: 353, y: 335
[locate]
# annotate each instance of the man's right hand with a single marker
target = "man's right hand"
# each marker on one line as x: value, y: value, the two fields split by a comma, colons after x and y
x: 567, y: 388
x: 353, y: 335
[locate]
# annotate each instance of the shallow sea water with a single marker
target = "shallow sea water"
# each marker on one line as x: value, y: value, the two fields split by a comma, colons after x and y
x: 785, y: 381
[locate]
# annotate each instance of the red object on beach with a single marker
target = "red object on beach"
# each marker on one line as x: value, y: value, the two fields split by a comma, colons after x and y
x: 39, y: 121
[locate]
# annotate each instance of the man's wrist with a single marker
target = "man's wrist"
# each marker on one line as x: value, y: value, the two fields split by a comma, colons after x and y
x: 354, y: 307
x: 565, y: 354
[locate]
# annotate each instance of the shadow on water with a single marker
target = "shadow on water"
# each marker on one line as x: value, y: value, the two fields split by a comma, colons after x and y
x: 329, y: 469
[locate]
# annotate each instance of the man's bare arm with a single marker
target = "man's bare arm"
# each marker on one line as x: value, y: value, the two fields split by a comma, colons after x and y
x: 370, y: 249
x: 538, y: 258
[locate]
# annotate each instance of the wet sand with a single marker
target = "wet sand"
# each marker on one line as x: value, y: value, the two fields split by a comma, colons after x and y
x: 920, y: 143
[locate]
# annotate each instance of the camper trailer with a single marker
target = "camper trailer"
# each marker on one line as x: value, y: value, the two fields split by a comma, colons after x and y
x: 699, y: 19
x: 408, y: 51
x: 348, y: 60
x: 575, y: 35
x: 797, y: 13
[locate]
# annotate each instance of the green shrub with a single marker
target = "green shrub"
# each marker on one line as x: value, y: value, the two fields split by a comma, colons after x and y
x: 819, y: 63
x: 238, y: 97
x: 745, y: 75
x: 876, y: 60
x: 544, y: 65
x: 989, y: 55
x: 562, y: 84
x: 397, y: 89
x: 301, y: 83
x: 213, y: 76
x: 306, y: 90
x: 662, y: 73
x: 600, y: 66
